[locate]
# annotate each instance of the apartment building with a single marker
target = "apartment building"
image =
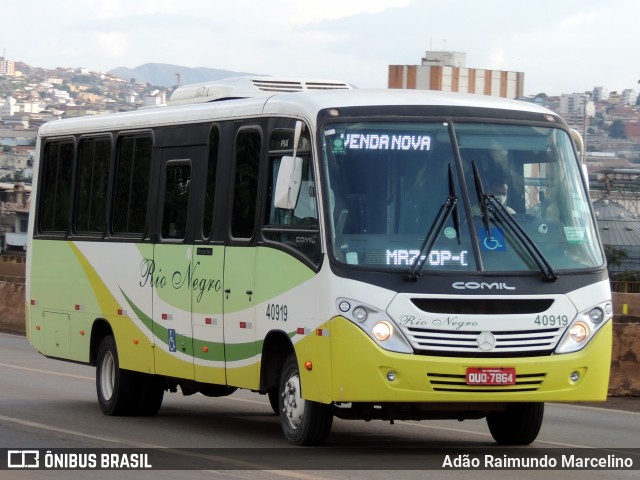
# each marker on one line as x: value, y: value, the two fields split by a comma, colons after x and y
x: 447, y: 72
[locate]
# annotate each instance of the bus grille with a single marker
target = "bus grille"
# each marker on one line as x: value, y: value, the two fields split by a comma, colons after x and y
x: 482, y: 306
x: 441, y: 382
x: 507, y: 343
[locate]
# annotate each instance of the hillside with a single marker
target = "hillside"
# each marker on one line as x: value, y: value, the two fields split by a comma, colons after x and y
x: 164, y: 75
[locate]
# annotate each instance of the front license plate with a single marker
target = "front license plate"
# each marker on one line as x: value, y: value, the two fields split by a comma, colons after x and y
x: 491, y: 376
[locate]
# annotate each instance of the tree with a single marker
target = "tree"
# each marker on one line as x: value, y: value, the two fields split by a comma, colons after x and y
x: 614, y: 256
x: 617, y: 130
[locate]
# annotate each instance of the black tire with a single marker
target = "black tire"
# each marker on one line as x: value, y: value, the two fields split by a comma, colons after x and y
x: 118, y: 390
x: 303, y: 422
x: 519, y: 424
x: 151, y: 394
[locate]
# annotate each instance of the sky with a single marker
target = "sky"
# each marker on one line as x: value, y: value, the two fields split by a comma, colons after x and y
x: 562, y: 46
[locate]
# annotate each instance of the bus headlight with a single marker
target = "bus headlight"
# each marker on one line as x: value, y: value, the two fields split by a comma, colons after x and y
x: 579, y: 332
x: 360, y: 314
x: 584, y: 327
x: 596, y: 315
x: 375, y: 323
x: 382, y: 331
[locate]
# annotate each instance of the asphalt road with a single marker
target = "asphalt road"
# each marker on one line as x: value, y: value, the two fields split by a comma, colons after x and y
x: 48, y: 404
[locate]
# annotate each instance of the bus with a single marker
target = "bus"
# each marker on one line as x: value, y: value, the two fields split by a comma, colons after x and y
x: 342, y: 251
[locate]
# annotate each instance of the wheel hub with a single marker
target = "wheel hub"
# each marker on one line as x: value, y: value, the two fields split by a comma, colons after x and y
x: 293, y: 404
x: 107, y: 375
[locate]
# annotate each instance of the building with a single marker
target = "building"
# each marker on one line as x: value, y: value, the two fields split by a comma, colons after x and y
x: 447, y: 72
x: 575, y: 108
x: 7, y: 67
x: 620, y: 234
x: 629, y: 96
x: 14, y: 215
x: 600, y: 94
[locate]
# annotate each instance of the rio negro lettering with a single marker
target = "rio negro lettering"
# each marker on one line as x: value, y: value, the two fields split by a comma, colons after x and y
x: 178, y: 279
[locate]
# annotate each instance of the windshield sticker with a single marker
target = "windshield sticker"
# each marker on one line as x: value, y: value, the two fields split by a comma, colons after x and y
x: 450, y: 233
x: 494, y: 242
x: 575, y: 235
x: 373, y: 141
x: 352, y: 258
x: 337, y: 146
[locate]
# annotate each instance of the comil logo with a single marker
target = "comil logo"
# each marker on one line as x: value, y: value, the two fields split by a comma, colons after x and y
x: 481, y: 286
x: 23, y: 459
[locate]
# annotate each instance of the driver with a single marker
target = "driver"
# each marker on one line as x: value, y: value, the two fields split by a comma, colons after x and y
x: 499, y: 189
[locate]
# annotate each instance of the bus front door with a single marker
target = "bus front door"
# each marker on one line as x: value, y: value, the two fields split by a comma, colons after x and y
x: 241, y: 346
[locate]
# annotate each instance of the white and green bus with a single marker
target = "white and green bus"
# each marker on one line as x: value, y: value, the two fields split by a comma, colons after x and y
x: 350, y: 253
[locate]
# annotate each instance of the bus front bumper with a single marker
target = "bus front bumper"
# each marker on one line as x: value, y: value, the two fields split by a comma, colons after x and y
x: 363, y: 372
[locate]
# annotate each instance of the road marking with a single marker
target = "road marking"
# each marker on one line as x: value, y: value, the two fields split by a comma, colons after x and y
x: 483, y: 434
x: 46, y: 372
x: 599, y: 409
x: 51, y: 428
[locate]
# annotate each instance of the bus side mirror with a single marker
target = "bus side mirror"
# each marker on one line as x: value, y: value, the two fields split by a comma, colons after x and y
x: 288, y: 183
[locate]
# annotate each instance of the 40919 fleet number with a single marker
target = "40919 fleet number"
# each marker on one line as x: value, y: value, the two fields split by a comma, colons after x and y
x: 552, y: 320
x: 277, y: 312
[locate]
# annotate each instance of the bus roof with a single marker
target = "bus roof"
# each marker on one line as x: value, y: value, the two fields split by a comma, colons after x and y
x: 304, y: 104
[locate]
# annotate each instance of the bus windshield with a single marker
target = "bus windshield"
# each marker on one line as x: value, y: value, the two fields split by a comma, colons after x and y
x: 387, y: 182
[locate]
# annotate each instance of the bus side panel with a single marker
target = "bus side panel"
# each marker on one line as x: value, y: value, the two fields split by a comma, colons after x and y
x: 242, y: 344
x: 313, y: 352
x: 119, y: 279
x: 172, y: 310
x: 287, y: 298
x: 60, y: 296
x: 206, y: 316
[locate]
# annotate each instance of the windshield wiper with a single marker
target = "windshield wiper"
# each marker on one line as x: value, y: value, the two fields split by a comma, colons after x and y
x: 489, y: 204
x: 483, y: 199
x: 449, y: 207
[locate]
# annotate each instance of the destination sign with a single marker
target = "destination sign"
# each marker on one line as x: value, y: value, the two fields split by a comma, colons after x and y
x: 375, y: 141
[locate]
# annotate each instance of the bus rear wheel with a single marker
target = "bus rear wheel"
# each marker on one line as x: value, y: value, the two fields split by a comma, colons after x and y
x: 519, y: 424
x: 124, y: 392
x: 303, y: 422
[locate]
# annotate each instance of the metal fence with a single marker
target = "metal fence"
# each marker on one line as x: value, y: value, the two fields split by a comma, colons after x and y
x: 625, y: 287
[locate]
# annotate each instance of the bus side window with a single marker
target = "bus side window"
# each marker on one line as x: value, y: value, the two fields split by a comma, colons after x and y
x: 305, y: 212
x: 56, y: 186
x: 298, y: 227
x: 94, y: 155
x: 133, y: 160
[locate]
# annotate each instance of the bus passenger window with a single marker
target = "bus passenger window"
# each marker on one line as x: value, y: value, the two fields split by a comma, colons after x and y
x: 93, y: 175
x: 56, y: 186
x: 133, y: 158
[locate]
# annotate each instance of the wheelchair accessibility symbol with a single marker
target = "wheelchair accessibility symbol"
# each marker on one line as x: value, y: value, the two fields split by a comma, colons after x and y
x: 172, y: 339
x: 494, y: 242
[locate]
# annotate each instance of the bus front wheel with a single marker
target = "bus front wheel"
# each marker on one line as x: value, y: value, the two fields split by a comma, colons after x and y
x: 519, y: 424
x: 303, y: 422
